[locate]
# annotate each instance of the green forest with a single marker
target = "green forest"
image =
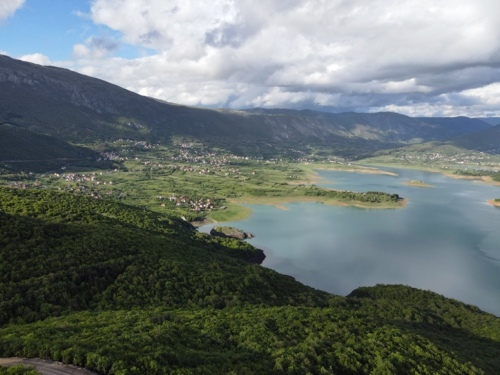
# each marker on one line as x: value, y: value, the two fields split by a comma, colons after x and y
x: 124, y: 290
x: 18, y: 370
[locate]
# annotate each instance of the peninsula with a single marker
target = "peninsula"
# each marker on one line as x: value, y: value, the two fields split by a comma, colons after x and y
x: 494, y: 202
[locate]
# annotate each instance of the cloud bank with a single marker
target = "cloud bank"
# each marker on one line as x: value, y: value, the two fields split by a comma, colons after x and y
x: 420, y: 57
x: 8, y: 8
x: 36, y: 58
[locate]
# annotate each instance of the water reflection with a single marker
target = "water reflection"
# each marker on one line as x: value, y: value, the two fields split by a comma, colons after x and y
x: 446, y: 239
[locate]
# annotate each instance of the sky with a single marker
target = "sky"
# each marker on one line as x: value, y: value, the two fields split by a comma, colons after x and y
x: 416, y: 57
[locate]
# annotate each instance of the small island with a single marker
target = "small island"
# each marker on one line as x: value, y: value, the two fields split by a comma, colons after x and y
x: 230, y: 232
x: 494, y: 202
x: 417, y: 183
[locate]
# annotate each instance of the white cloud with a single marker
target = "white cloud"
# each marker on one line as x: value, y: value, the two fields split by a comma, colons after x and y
x: 8, y: 8
x: 81, y: 50
x: 417, y: 56
x: 79, y: 13
x: 36, y: 58
x: 95, y: 47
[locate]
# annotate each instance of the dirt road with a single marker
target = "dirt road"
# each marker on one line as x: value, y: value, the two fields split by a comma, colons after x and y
x: 46, y: 367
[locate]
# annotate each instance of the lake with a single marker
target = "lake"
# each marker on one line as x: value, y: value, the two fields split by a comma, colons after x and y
x: 447, y: 239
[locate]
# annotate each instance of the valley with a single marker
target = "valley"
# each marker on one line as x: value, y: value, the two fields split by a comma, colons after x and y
x: 107, y: 198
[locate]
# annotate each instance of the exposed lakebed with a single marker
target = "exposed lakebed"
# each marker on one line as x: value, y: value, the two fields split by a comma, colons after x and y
x: 447, y: 239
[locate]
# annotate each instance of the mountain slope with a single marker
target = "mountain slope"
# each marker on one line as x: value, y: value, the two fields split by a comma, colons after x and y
x: 386, y: 126
x: 480, y: 148
x: 18, y: 144
x: 487, y: 140
x: 121, y: 290
x: 74, y: 107
x: 61, y: 251
x: 24, y: 150
x: 493, y: 121
x: 455, y: 126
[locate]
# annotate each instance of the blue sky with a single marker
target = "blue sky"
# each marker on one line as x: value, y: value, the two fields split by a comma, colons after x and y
x: 53, y: 27
x: 416, y: 57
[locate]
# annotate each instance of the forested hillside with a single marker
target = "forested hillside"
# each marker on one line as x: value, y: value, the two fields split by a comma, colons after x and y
x: 22, y: 149
x: 122, y: 290
x: 487, y: 140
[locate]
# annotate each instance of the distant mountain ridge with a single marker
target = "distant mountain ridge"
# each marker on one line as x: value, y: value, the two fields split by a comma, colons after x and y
x: 387, y: 126
x: 487, y: 140
x: 77, y: 108
x: 493, y: 121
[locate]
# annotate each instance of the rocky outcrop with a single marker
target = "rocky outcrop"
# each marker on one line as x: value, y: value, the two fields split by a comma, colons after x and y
x: 230, y: 233
x: 259, y: 258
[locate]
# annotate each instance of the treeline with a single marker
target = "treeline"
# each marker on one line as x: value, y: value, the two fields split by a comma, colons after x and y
x: 370, y: 196
x: 495, y: 175
x: 286, y: 190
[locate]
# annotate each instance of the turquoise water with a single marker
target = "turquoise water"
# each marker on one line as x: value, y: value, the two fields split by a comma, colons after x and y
x: 447, y: 239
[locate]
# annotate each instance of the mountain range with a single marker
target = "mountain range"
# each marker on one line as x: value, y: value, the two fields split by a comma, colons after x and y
x: 76, y: 108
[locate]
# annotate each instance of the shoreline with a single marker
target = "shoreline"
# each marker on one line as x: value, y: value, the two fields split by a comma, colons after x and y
x: 278, y: 201
x: 481, y: 179
x: 313, y: 178
x: 367, y: 170
x: 494, y: 203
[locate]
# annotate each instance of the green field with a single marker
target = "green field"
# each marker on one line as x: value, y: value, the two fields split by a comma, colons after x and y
x: 193, y: 181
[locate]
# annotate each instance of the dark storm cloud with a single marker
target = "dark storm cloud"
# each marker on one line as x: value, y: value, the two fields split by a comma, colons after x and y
x: 104, y: 44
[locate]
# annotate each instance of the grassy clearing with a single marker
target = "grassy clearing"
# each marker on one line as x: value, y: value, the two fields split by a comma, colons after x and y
x: 233, y: 212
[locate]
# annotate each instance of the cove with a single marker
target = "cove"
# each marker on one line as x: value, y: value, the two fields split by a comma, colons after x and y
x: 446, y: 240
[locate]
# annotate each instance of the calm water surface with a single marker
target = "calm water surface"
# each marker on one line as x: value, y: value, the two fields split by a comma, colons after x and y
x: 447, y: 239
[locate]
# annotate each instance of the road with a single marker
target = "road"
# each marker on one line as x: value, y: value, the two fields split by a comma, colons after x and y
x: 46, y: 367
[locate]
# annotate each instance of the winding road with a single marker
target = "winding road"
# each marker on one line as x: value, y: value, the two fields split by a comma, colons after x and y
x: 46, y: 367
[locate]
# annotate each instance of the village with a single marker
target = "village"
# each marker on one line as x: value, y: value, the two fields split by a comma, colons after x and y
x: 196, y: 205
x: 474, y: 159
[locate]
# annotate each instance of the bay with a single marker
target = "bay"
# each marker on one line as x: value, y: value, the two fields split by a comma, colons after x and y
x: 447, y: 238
